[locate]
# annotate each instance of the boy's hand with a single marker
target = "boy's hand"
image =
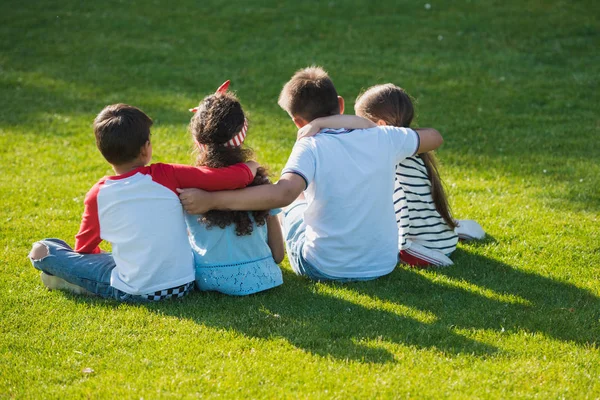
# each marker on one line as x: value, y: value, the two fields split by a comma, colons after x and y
x: 196, y: 201
x: 308, y: 130
x: 253, y: 165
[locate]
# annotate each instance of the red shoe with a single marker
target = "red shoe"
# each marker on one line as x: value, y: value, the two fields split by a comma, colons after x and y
x: 422, y: 257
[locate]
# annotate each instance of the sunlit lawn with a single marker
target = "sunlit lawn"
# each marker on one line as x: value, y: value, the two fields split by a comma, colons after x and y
x: 512, y: 86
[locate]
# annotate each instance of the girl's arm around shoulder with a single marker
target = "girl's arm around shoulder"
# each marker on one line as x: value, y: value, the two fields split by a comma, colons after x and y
x: 334, y: 122
x: 408, y: 142
x: 275, y: 238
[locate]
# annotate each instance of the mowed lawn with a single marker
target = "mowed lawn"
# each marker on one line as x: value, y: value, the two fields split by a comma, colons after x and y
x: 513, y: 86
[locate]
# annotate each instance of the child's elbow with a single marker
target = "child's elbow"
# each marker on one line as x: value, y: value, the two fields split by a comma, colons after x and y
x: 440, y: 140
x: 286, y: 198
x: 434, y: 140
x: 286, y: 195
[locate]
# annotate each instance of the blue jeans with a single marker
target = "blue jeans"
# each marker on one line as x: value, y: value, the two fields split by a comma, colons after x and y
x: 89, y: 271
x: 294, y: 230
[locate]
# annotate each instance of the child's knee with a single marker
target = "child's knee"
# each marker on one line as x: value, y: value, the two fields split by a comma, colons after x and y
x: 39, y: 251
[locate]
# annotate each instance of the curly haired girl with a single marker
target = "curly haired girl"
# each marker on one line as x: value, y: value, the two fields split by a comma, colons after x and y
x: 236, y: 252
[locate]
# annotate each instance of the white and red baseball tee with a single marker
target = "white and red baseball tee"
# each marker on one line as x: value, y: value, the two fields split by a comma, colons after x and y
x: 139, y: 213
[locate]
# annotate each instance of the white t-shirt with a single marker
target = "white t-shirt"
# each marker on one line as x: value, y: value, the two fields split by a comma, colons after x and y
x: 139, y: 213
x: 351, y: 228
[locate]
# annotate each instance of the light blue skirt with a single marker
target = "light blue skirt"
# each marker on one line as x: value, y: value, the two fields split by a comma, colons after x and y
x: 239, y: 279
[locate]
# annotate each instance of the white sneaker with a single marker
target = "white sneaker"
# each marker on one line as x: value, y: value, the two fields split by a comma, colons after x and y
x: 55, y: 283
x: 468, y: 229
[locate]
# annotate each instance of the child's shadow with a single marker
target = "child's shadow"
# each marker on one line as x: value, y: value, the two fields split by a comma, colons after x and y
x: 310, y: 317
x: 482, y: 293
x: 355, y: 321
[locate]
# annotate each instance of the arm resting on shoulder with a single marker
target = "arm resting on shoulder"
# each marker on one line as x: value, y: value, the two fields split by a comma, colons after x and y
x: 429, y: 139
x: 263, y: 197
x: 233, y: 177
x: 334, y: 122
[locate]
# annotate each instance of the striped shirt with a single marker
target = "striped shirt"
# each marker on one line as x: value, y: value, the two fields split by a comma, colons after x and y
x: 416, y: 215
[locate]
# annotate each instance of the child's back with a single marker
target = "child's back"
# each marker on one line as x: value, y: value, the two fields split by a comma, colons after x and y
x: 232, y: 264
x: 340, y: 221
x: 419, y: 221
x: 350, y: 225
x: 138, y: 212
x: 236, y: 252
x: 427, y: 231
x: 141, y: 218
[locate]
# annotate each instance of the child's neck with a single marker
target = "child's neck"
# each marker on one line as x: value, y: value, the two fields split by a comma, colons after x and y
x: 125, y: 168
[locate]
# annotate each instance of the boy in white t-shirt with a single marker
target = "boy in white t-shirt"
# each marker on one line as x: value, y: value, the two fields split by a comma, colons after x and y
x: 137, y: 210
x: 343, y: 227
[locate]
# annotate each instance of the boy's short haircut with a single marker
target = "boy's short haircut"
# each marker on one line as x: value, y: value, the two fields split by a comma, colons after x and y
x: 121, y: 130
x: 310, y: 94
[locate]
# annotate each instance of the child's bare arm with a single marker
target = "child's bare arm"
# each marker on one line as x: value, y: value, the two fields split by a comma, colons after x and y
x: 275, y: 238
x: 429, y: 139
x: 334, y: 122
x: 263, y: 197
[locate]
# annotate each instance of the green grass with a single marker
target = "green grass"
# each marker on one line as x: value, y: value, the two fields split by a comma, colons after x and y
x: 513, y: 87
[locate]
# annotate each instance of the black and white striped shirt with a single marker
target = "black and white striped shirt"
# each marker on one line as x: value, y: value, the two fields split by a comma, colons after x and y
x: 416, y: 215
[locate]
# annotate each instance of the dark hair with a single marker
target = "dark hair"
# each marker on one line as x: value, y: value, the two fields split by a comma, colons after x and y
x: 393, y: 105
x: 121, y: 130
x: 219, y: 118
x: 309, y: 94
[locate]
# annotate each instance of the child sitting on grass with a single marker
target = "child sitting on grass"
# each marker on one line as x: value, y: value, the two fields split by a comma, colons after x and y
x: 427, y: 232
x: 138, y: 212
x: 343, y: 227
x: 236, y: 252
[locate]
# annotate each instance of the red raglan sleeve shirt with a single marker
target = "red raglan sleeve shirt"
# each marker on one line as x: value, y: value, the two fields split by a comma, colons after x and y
x: 171, y: 176
x: 181, y: 176
x: 88, y: 238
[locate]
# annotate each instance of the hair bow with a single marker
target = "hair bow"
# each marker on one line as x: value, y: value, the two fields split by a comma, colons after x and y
x: 239, y: 138
x: 221, y: 89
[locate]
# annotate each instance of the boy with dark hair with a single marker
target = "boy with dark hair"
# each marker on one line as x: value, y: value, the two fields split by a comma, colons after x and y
x: 309, y: 95
x: 343, y: 227
x: 138, y: 212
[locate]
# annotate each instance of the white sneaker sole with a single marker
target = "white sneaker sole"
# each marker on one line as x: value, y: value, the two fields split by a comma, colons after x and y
x: 55, y: 283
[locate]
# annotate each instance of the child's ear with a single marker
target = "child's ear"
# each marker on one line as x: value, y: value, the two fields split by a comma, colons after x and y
x: 341, y: 103
x: 299, y: 121
x: 146, y: 149
x: 381, y: 122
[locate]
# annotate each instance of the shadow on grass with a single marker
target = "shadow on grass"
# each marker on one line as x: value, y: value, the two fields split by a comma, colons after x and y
x: 477, y: 293
x: 308, y: 317
x: 514, y: 300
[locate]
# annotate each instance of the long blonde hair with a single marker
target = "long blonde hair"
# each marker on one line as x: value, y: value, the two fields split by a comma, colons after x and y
x: 393, y: 105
